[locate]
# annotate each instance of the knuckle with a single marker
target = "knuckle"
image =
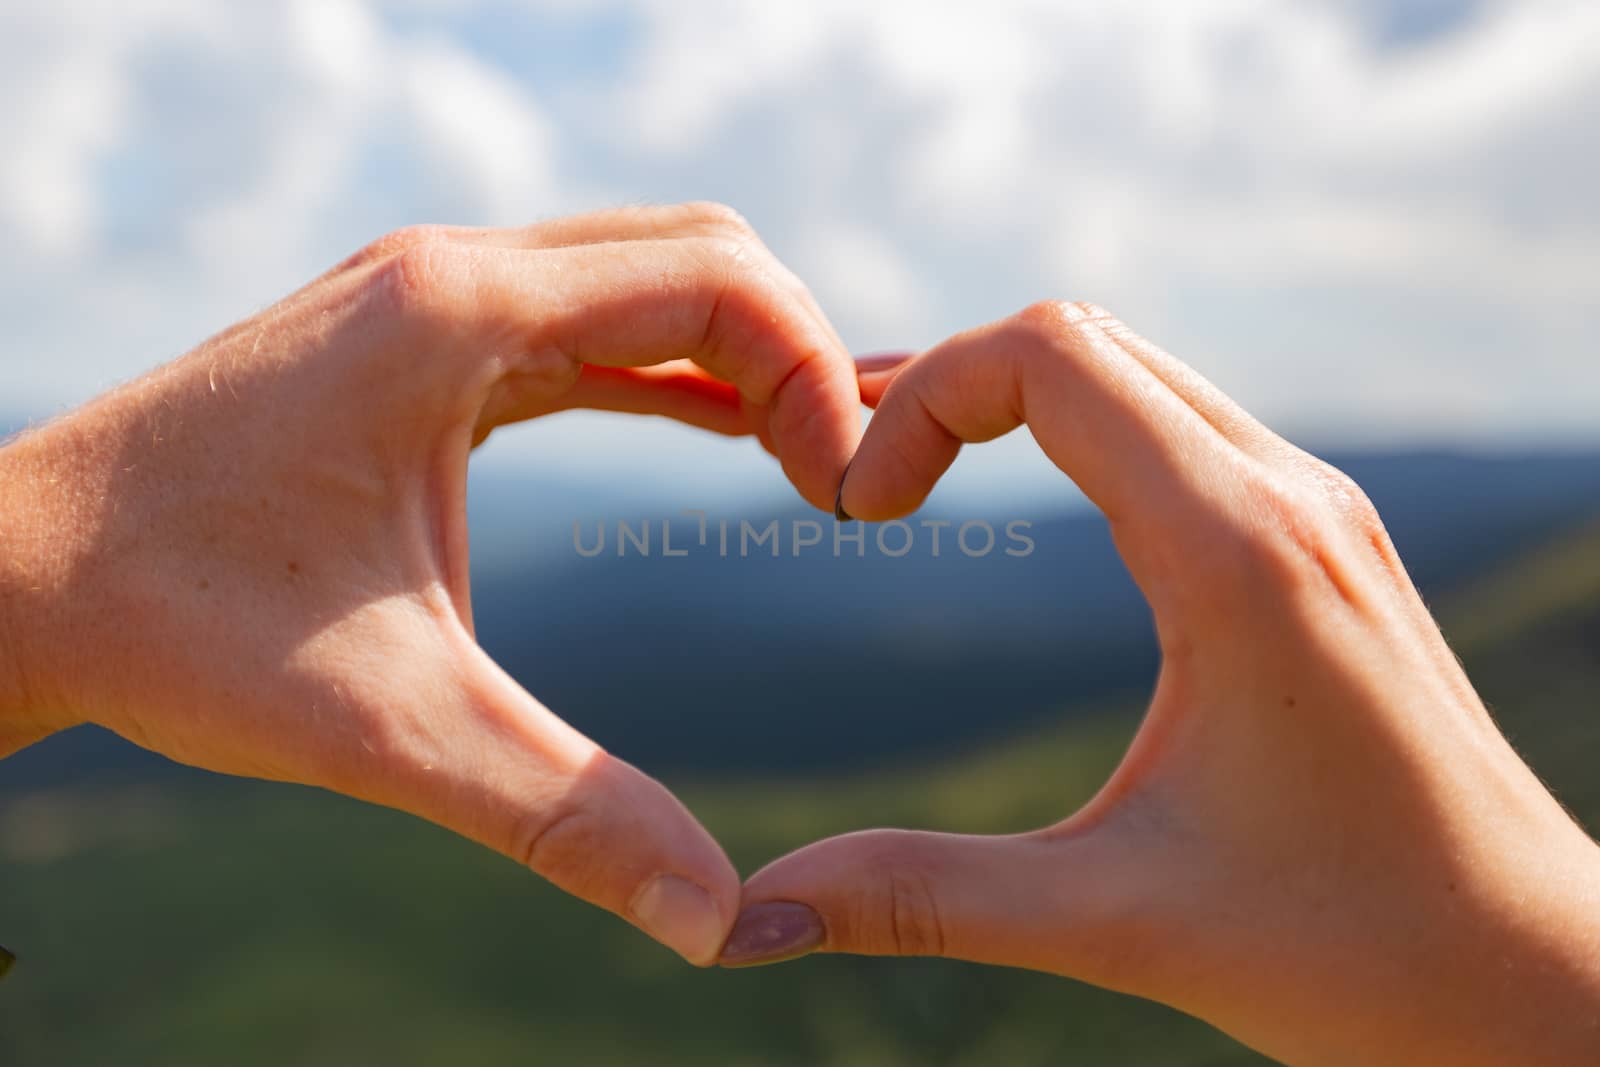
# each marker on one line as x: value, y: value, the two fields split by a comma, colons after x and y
x: 561, y: 845
x: 738, y: 299
x: 1359, y: 515
x: 914, y: 921
x: 716, y: 217
x: 1293, y: 544
x: 1049, y: 327
x: 727, y: 256
x: 896, y: 911
x: 1347, y: 497
x: 392, y: 244
x: 1279, y: 542
x: 1101, y: 319
x: 419, y: 283
x: 1049, y: 317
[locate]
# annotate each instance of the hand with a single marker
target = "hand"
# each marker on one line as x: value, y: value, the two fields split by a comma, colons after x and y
x: 1318, y: 840
x: 254, y: 560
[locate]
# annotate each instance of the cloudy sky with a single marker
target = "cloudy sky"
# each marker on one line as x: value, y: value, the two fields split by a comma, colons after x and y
x: 1374, y: 223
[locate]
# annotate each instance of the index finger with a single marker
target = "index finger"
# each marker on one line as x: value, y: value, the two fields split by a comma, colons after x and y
x: 635, y: 303
x: 1136, y: 449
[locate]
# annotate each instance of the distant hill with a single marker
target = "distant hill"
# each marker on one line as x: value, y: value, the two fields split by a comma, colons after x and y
x: 704, y: 662
x: 227, y: 921
x: 797, y: 663
x: 1529, y: 633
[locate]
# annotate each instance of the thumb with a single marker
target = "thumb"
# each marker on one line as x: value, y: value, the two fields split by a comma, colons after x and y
x: 494, y: 765
x: 1047, y: 901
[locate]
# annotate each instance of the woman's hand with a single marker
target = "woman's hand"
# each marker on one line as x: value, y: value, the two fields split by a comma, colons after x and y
x: 254, y: 560
x: 1318, y: 839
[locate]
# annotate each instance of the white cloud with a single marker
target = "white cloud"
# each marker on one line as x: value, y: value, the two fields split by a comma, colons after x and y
x: 62, y: 110
x: 861, y: 278
x: 178, y: 165
x: 478, y: 131
x: 1381, y: 239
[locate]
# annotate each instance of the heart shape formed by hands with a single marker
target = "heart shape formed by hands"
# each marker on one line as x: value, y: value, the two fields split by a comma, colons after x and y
x: 283, y: 513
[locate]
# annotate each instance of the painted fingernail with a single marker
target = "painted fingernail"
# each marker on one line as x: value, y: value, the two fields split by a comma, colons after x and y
x: 771, y: 932
x: 6, y: 960
x: 873, y: 362
x: 680, y: 915
x: 839, y: 513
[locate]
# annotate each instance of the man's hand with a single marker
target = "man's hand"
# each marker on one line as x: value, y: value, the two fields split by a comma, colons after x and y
x: 255, y: 559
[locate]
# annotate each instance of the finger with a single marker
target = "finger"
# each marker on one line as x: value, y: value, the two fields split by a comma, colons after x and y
x: 1031, y: 900
x: 635, y: 223
x: 647, y: 302
x: 1255, y: 439
x: 1142, y: 454
x: 644, y: 222
x: 677, y: 390
x: 649, y: 222
x: 657, y: 222
x: 1218, y: 409
x: 486, y: 760
x: 874, y: 372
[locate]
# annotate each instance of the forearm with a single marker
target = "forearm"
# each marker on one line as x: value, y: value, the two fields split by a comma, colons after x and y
x: 1515, y: 933
x: 1536, y: 972
x: 17, y: 580
x: 1499, y: 964
x: 42, y: 531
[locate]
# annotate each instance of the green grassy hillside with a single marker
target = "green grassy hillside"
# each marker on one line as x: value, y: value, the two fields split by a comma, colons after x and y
x: 240, y: 923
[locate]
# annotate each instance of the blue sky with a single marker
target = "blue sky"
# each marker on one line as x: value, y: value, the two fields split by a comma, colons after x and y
x: 1374, y: 223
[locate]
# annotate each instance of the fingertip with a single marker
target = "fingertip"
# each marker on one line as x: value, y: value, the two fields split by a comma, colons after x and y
x: 620, y: 839
x: 681, y: 915
x: 882, y: 362
x: 882, y: 480
x: 875, y: 372
x: 840, y: 514
x: 815, y: 425
x: 904, y: 449
x: 771, y: 932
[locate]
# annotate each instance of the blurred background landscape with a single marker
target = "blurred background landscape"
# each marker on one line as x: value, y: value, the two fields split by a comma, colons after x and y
x: 1373, y: 223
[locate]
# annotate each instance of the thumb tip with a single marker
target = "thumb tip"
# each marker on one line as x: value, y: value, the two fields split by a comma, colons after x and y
x: 771, y: 932
x: 682, y: 916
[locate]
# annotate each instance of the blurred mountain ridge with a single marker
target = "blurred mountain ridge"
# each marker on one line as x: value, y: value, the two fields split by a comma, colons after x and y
x: 806, y: 662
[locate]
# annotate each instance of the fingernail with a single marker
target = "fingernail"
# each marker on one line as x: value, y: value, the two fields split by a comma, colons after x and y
x: 873, y: 362
x: 771, y: 932
x: 839, y: 513
x: 680, y: 915
x: 6, y: 960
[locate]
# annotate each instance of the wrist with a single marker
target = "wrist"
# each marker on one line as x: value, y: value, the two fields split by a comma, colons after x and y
x: 1510, y: 954
x: 38, y: 546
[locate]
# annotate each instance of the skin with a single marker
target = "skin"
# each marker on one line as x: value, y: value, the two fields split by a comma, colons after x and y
x: 255, y: 560
x: 1318, y: 840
